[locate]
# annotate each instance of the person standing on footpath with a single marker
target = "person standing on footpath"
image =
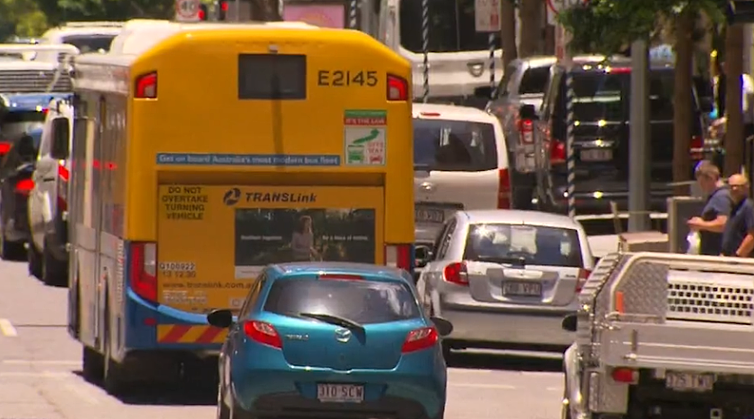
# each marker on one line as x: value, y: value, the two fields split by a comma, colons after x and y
x: 711, y: 223
x: 738, y: 237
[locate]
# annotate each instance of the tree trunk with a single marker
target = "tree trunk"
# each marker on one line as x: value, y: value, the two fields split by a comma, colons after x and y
x: 734, y: 132
x: 682, y: 112
x: 508, y: 34
x: 531, y: 12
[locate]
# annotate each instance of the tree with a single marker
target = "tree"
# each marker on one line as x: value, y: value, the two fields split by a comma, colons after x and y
x: 609, y: 26
x: 734, y: 130
x: 508, y: 34
x: 532, y: 27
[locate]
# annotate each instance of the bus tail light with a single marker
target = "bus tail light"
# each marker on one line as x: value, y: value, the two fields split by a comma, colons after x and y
x: 504, y: 189
x: 397, y: 88
x: 143, y: 275
x: 146, y: 86
x: 400, y: 256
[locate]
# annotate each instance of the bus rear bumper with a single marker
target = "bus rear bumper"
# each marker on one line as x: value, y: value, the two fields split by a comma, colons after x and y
x: 157, y: 327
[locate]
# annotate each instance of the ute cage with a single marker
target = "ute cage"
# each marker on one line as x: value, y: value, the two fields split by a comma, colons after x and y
x: 24, y: 72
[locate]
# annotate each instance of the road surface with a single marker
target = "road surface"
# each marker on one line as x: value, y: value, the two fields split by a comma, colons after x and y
x: 40, y: 371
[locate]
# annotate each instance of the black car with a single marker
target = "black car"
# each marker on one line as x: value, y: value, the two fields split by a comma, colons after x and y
x: 601, y: 106
x: 16, y: 169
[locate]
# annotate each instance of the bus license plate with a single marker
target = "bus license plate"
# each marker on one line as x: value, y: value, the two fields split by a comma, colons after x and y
x: 686, y: 381
x: 522, y: 289
x: 597, y: 155
x: 423, y: 215
x: 340, y: 393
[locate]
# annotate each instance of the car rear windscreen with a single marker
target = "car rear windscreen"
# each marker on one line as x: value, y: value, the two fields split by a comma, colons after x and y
x: 271, y: 76
x: 457, y: 146
x: 537, y: 245
x: 365, y: 302
x: 90, y: 43
x: 14, y: 124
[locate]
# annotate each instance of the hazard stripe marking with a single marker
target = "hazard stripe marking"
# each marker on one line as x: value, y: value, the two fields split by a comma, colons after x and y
x: 209, y: 335
x: 176, y: 333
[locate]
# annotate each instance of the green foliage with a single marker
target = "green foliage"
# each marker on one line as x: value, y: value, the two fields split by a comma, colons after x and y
x: 609, y: 26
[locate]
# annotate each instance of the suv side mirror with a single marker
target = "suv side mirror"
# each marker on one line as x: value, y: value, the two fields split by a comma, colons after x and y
x: 423, y: 255
x: 61, y: 137
x: 569, y: 323
x: 220, y: 318
x: 527, y: 112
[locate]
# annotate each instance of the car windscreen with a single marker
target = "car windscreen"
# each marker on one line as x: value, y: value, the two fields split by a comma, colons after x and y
x: 90, y: 43
x: 13, y: 124
x: 459, y: 146
x: 451, y: 27
x: 365, y: 302
x: 537, y: 245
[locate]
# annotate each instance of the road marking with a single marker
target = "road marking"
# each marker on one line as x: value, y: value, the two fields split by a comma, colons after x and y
x: 39, y: 362
x: 35, y: 374
x: 82, y: 393
x: 6, y: 327
x: 490, y: 386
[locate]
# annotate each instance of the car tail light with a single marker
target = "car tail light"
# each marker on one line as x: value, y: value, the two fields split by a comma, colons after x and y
x: 558, y: 152
x: 503, y: 189
x: 419, y: 339
x: 397, y: 88
x: 696, y: 148
x: 4, y: 147
x: 400, y: 256
x: 24, y: 186
x: 143, y: 275
x: 456, y: 273
x: 341, y: 277
x: 583, y: 276
x: 63, y: 172
x: 620, y: 70
x: 263, y: 333
x: 146, y: 86
x: 625, y: 375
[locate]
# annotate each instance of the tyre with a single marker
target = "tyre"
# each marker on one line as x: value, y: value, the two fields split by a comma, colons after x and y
x: 53, y: 271
x: 11, y: 251
x: 35, y: 260
x: 222, y: 409
x: 93, y: 365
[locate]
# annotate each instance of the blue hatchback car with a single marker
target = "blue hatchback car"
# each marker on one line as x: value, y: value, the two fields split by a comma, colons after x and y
x: 336, y: 340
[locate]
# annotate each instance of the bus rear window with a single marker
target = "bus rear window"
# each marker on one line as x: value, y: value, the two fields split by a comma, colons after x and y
x: 271, y: 76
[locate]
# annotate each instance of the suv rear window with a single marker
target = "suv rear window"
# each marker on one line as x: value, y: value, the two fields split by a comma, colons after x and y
x: 13, y: 124
x: 454, y: 146
x: 538, y: 245
x: 365, y: 302
x: 534, y: 81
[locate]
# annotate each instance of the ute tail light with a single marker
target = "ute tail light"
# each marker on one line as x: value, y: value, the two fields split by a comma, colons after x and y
x: 583, y: 276
x: 504, y: 189
x: 24, y: 186
x: 263, y: 333
x: 400, y: 256
x: 558, y: 153
x: 696, y: 148
x: 341, y: 277
x: 143, y: 275
x: 419, y: 339
x: 4, y: 148
x: 625, y: 375
x: 397, y: 88
x: 456, y: 273
x: 146, y: 86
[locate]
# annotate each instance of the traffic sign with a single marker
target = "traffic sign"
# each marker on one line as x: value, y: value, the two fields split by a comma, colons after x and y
x: 487, y: 15
x: 187, y: 10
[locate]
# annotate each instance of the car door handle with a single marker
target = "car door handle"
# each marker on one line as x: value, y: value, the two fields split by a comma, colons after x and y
x: 48, y: 179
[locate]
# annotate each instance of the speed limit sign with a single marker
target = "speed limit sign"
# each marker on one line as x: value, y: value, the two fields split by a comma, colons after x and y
x: 187, y: 10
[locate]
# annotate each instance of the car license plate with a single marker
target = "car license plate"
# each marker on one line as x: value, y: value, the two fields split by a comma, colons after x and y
x: 522, y: 289
x: 423, y: 215
x: 340, y: 393
x: 598, y: 154
x: 686, y: 381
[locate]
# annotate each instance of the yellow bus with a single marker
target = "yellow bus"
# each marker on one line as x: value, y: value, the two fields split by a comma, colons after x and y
x: 203, y: 152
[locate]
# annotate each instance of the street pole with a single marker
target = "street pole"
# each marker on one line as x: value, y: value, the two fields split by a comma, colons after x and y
x: 639, y: 144
x: 563, y: 55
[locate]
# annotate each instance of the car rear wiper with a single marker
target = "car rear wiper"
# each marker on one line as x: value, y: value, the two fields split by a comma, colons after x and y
x: 515, y: 261
x: 336, y: 320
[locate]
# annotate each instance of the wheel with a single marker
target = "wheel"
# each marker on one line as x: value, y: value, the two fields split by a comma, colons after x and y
x: 53, y: 271
x: 93, y: 365
x: 35, y: 260
x: 239, y: 412
x: 11, y: 251
x: 222, y: 409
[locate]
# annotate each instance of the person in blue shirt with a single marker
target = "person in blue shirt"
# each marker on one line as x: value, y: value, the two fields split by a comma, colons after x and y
x: 711, y: 223
x: 738, y: 237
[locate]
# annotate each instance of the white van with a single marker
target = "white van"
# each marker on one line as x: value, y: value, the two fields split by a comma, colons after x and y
x: 48, y: 200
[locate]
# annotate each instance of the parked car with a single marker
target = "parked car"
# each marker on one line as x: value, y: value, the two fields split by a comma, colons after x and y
x: 506, y: 278
x: 339, y: 340
x: 48, y: 200
x: 16, y: 168
x: 601, y: 110
x: 460, y: 162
